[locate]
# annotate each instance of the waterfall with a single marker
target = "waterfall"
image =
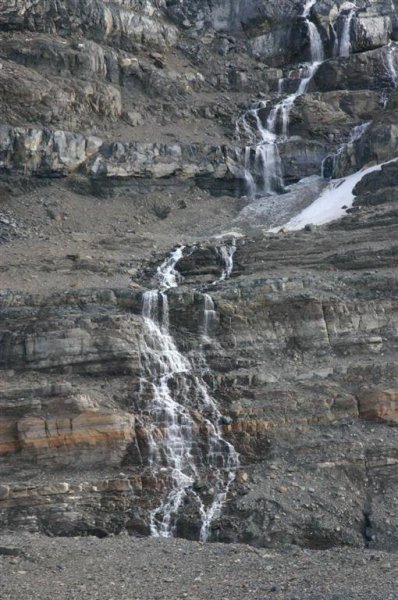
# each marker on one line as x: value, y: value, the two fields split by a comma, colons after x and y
x: 316, y: 46
x: 358, y: 131
x: 209, y: 316
x: 250, y: 184
x: 342, y: 45
x: 262, y: 170
x: 391, y: 69
x: 345, y: 41
x: 166, y: 273
x: 181, y: 418
x: 262, y: 165
x: 170, y: 433
x: 267, y: 161
x: 281, y: 112
x: 227, y: 255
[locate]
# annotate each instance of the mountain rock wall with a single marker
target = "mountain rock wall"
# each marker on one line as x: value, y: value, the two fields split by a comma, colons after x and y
x: 137, y: 101
x: 301, y: 361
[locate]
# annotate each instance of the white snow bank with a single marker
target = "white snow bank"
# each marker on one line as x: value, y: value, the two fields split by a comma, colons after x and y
x: 329, y: 205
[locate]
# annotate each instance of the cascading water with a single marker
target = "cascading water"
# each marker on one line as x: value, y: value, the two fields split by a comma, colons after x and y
x: 209, y: 316
x: 170, y: 433
x: 262, y: 167
x: 166, y: 273
x: 342, y: 46
x: 171, y: 392
x: 281, y: 112
x: 262, y: 163
x: 227, y: 255
x: 316, y: 46
x: 391, y: 69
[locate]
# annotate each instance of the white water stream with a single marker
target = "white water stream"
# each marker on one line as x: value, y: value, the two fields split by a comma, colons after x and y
x: 261, y: 161
x: 391, y: 69
x: 227, y: 255
x: 184, y: 433
x: 342, y: 46
x: 210, y: 317
x: 262, y: 166
x: 281, y: 112
x: 345, y: 42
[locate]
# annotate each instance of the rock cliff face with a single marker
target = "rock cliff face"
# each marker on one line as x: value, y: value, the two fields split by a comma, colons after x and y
x: 130, y: 128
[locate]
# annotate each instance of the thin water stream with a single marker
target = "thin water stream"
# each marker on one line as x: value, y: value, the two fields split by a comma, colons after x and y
x: 342, y: 46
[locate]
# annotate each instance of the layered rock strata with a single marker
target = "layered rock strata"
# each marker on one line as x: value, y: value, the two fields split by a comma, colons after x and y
x: 123, y: 98
x: 302, y: 364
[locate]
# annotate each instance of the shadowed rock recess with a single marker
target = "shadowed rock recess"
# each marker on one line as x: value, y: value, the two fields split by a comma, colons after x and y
x: 188, y: 348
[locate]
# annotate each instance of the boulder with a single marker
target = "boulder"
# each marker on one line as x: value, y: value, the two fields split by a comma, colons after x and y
x: 370, y: 32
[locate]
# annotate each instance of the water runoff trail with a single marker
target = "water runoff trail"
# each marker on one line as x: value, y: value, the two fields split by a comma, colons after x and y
x: 185, y: 439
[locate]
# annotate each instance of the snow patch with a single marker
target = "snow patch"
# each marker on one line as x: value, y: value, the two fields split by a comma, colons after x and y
x: 329, y: 205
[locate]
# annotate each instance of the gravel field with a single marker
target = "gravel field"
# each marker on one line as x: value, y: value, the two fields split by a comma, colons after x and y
x: 35, y: 567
